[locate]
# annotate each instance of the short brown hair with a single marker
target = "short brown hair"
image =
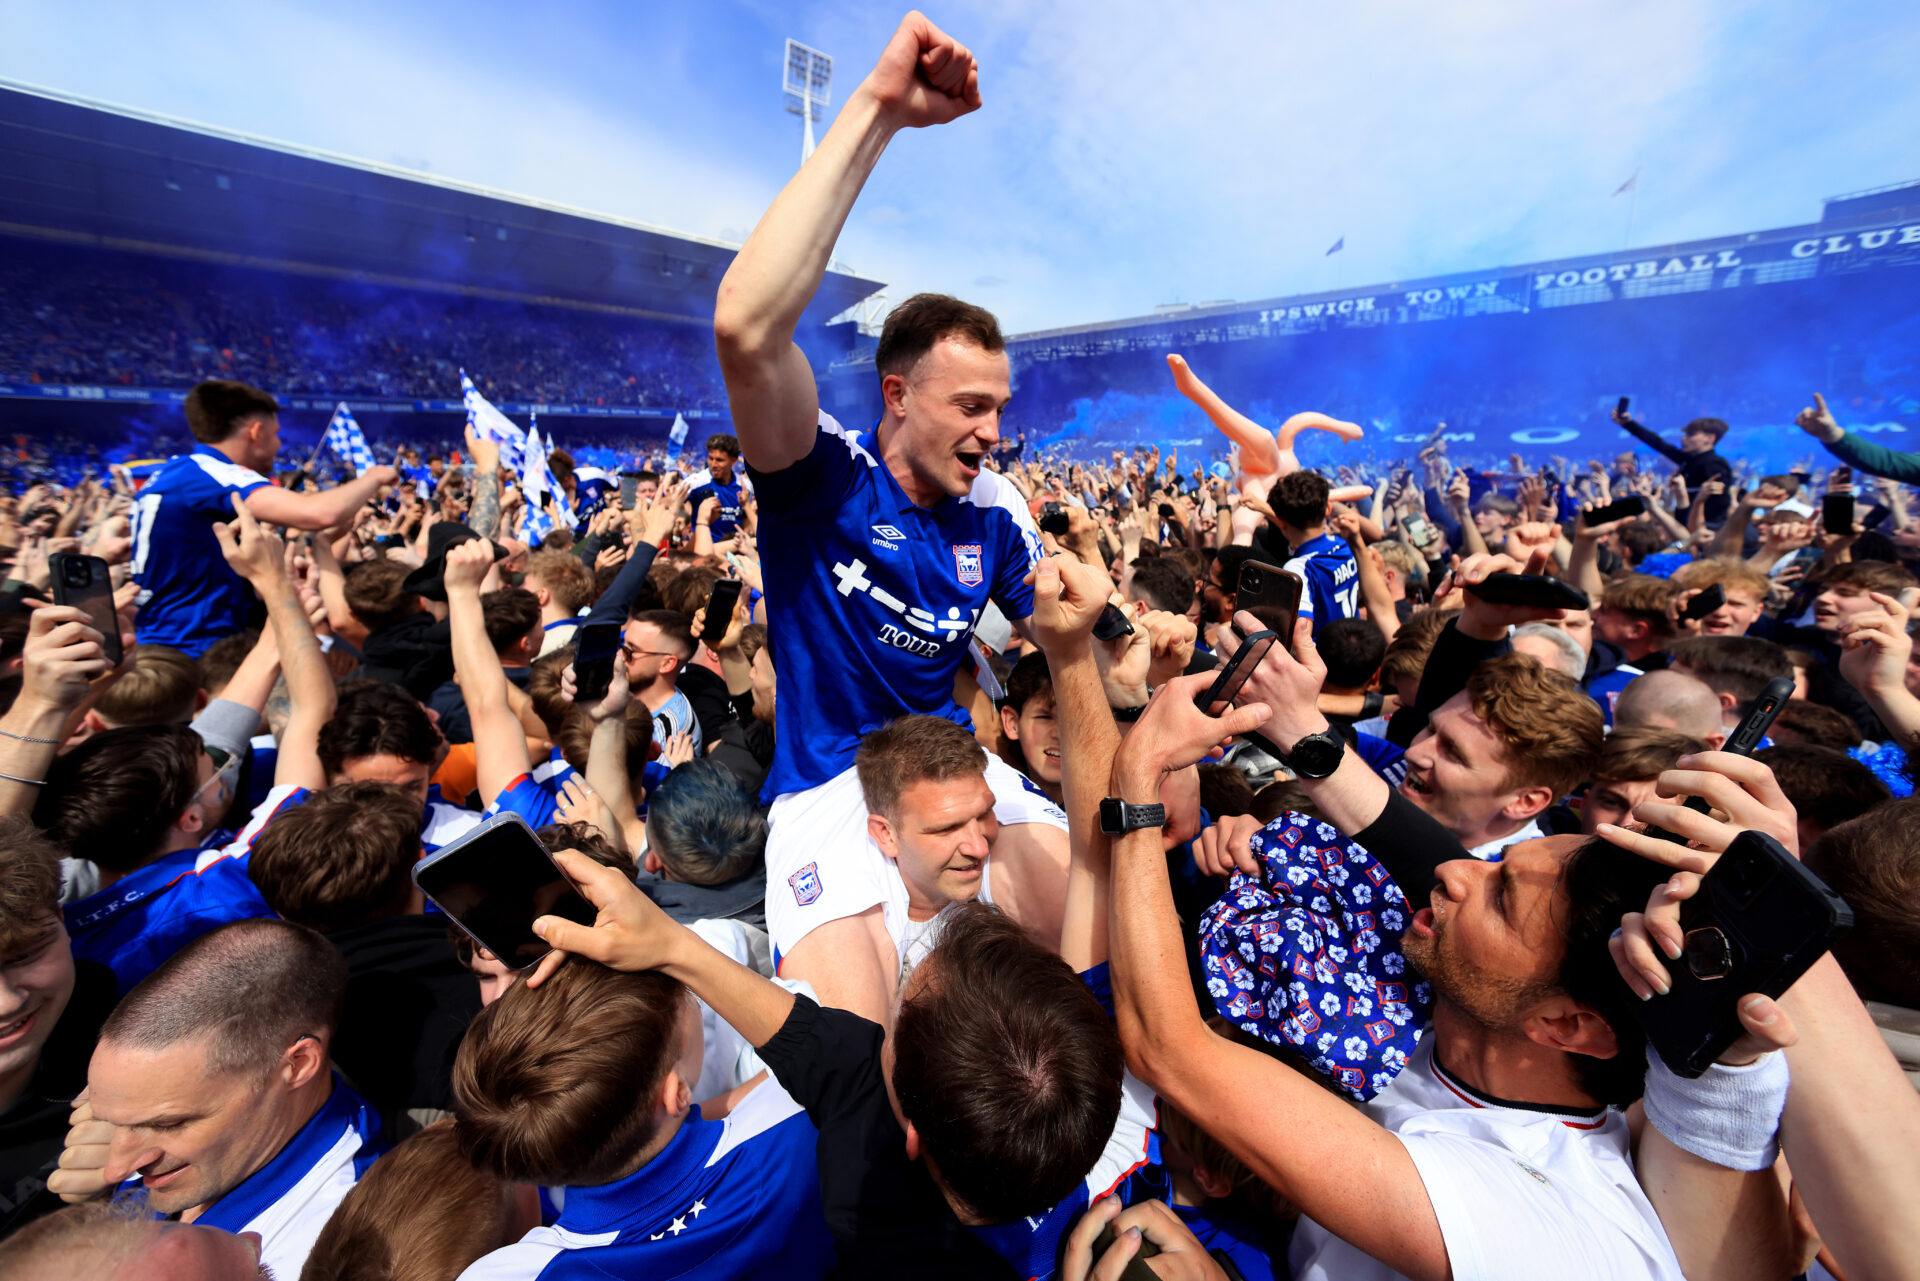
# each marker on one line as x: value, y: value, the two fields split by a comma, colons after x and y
x: 676, y: 629
x: 1826, y: 787
x: 1007, y: 1065
x: 1873, y: 862
x: 341, y: 859
x: 1644, y: 598
x: 373, y: 593
x: 219, y: 407
x: 1552, y: 731
x: 575, y: 738
x: 1880, y: 576
x: 1300, y: 499
x: 724, y: 441
x: 1636, y: 752
x: 509, y: 615
x: 1816, y: 725
x: 421, y: 1213
x: 1738, y: 665
x: 544, y: 688
x: 917, y: 324
x: 29, y: 885
x: 111, y: 799
x: 689, y: 589
x: 223, y: 658
x: 1728, y: 571
x: 914, y: 749
x: 1411, y: 646
x: 160, y: 688
x: 563, y: 574
x: 554, y: 1085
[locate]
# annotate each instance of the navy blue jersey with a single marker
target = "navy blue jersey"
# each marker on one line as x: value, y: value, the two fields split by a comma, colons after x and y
x: 728, y: 489
x: 732, y: 1198
x: 871, y: 599
x: 146, y: 916
x: 1333, y: 580
x: 189, y: 598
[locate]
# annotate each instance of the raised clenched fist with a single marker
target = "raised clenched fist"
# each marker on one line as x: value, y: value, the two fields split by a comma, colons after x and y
x: 924, y: 77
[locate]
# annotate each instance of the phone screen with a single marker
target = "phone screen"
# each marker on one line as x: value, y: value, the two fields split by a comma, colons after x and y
x: 720, y: 607
x: 595, y: 646
x: 495, y: 882
x: 86, y: 583
x: 629, y: 490
x: 1237, y: 672
x: 1836, y: 513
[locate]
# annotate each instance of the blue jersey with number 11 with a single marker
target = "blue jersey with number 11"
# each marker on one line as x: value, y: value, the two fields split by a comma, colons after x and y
x: 1332, y: 578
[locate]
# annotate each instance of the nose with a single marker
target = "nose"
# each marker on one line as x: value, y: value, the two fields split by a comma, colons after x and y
x: 125, y: 1155
x: 975, y: 844
x: 1457, y: 876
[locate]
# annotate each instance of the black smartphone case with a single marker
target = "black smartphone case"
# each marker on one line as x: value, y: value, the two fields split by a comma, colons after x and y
x: 95, y: 598
x: 1272, y: 595
x: 1538, y: 591
x: 1759, y: 921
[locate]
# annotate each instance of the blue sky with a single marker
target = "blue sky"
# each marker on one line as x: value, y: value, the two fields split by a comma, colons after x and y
x: 1128, y: 154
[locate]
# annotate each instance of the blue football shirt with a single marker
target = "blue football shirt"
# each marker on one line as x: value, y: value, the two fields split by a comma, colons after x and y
x: 189, y: 597
x: 872, y: 599
x: 1333, y: 580
x: 135, y: 924
x: 728, y: 489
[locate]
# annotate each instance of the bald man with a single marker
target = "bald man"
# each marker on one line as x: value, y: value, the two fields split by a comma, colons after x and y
x: 1672, y: 700
x: 115, y: 1243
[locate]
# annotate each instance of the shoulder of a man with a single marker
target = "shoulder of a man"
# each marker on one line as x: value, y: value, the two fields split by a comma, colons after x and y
x: 224, y: 473
x: 838, y: 459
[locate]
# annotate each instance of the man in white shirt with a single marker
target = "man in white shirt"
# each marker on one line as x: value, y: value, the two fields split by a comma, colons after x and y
x: 211, y: 1093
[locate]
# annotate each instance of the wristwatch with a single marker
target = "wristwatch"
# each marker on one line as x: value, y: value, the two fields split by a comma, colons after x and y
x: 1316, y: 755
x: 1118, y: 818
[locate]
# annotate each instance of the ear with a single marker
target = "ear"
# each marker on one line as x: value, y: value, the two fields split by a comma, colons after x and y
x: 676, y: 1096
x: 1728, y: 703
x: 189, y: 820
x: 882, y: 833
x: 913, y: 1142
x: 95, y: 723
x: 1718, y: 740
x: 1527, y: 802
x: 893, y: 393
x: 1212, y: 1184
x: 653, y: 863
x: 1564, y: 1024
x: 1010, y: 724
x: 199, y: 700
x: 302, y: 1061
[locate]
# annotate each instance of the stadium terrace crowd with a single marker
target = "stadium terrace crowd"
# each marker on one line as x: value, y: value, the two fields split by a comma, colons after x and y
x: 939, y: 919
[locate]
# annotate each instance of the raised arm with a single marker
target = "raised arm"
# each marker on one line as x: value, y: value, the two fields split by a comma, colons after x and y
x: 61, y: 659
x: 1669, y: 452
x: 328, y: 507
x: 258, y: 556
x: 499, y: 743
x: 923, y: 78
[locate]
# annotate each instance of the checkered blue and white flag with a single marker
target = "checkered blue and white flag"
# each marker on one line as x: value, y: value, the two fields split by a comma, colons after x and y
x: 677, y: 434
x: 493, y: 425
x: 346, y: 441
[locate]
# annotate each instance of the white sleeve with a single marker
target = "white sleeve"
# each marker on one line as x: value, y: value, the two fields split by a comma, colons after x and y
x: 1298, y: 568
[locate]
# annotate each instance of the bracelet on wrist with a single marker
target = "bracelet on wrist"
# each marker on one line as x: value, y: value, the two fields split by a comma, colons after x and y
x: 29, y: 738
x: 30, y: 782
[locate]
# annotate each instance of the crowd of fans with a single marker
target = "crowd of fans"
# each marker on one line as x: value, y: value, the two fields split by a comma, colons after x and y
x: 942, y: 924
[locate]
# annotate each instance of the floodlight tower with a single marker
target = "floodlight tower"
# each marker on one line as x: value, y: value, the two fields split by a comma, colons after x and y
x: 806, y: 79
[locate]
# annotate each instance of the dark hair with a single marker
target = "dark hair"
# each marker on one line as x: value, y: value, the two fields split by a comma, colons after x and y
x: 29, y: 885
x: 373, y: 593
x: 377, y: 720
x: 1229, y: 559
x: 220, y: 407
x: 1029, y: 678
x: 675, y: 628
x: 1300, y: 499
x: 1639, y: 541
x: 1868, y: 576
x: 724, y: 441
x: 510, y: 616
x: 1738, y: 665
x: 1352, y: 649
x: 1224, y: 791
x: 555, y: 1084
x: 689, y: 590
x: 1816, y: 725
x: 1827, y: 787
x: 704, y: 825
x: 223, y: 658
x: 1007, y: 1065
x: 1714, y: 425
x: 1873, y: 862
x: 914, y: 749
x: 917, y: 324
x: 250, y: 988
x: 112, y: 799
x: 341, y: 859
x: 560, y: 462
x: 575, y: 738
x: 1603, y: 883
x: 1162, y: 583
x: 589, y: 840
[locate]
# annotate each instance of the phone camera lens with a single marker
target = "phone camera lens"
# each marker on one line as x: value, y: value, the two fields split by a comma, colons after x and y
x: 76, y: 574
x: 1709, y: 954
x: 1252, y: 580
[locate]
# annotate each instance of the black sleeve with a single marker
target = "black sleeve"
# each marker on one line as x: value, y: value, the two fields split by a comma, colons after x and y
x: 1671, y: 453
x: 827, y: 1059
x: 612, y: 607
x: 1410, y: 843
x: 1449, y: 665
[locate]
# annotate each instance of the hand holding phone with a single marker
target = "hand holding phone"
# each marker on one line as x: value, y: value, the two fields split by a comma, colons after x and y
x: 1053, y: 520
x: 595, y: 648
x: 86, y: 583
x: 1272, y: 595
x: 1618, y: 509
x: 720, y: 606
x: 1238, y: 670
x: 1836, y: 514
x: 494, y: 882
x: 1704, y: 602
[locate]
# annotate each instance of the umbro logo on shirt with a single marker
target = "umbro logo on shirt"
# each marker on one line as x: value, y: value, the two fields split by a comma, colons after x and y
x: 887, y: 536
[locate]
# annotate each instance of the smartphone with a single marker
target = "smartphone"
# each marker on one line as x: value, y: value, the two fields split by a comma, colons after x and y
x: 1272, y: 595
x: 1417, y: 528
x: 1053, y: 520
x: 1836, y: 513
x: 1705, y: 603
x: 1843, y: 475
x: 1758, y: 922
x: 1537, y: 591
x: 86, y: 583
x: 1236, y: 673
x: 629, y: 490
x: 1112, y: 624
x: 1621, y: 408
x: 595, y: 646
x: 1166, y: 511
x: 1618, y: 509
x: 494, y: 882
x: 720, y: 605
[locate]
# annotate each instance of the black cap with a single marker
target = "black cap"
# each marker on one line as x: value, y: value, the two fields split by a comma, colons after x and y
x: 444, y: 535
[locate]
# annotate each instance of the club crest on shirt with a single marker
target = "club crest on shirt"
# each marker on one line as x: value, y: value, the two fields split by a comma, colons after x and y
x: 969, y: 564
x: 806, y: 884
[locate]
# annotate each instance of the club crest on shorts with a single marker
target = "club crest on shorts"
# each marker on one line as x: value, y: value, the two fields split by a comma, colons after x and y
x: 969, y: 564
x: 806, y: 884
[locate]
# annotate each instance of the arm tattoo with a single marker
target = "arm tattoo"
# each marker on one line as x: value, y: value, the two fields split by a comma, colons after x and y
x: 486, y: 504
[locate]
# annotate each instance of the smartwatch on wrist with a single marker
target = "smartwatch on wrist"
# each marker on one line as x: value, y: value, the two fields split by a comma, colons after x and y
x: 1117, y: 818
x: 1316, y: 755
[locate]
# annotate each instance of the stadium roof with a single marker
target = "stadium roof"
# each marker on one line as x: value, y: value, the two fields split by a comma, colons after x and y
x: 93, y: 173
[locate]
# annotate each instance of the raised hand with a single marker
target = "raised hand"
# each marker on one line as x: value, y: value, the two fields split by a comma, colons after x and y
x: 1817, y: 421
x: 1068, y: 597
x: 1174, y: 733
x: 484, y: 452
x: 61, y: 657
x: 253, y: 551
x: 1485, y: 620
x: 1876, y: 647
x: 467, y: 565
x: 924, y: 76
x: 630, y: 933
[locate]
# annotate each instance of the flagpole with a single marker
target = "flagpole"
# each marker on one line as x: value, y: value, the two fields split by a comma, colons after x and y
x: 1632, y: 199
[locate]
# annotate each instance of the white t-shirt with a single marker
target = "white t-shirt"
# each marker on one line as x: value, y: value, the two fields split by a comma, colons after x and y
x: 1520, y: 1193
x: 1531, y: 832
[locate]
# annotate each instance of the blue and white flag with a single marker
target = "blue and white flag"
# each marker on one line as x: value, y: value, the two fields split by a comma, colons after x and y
x: 493, y: 425
x: 677, y: 437
x: 539, y: 486
x: 347, y: 442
